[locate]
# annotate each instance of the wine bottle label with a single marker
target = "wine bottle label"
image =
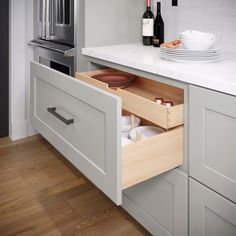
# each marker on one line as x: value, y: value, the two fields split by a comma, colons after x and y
x: 148, y: 27
x: 156, y: 40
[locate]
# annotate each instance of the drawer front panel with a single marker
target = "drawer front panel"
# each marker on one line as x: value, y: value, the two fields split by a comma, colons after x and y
x: 92, y: 141
x: 210, y: 213
x: 85, y: 131
x: 212, y: 140
x: 160, y: 204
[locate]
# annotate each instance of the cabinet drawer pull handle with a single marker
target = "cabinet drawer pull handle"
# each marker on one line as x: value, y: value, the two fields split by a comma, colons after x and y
x: 53, y: 111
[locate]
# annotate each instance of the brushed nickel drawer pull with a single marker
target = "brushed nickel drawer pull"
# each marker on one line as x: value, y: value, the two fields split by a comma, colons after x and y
x: 53, y: 111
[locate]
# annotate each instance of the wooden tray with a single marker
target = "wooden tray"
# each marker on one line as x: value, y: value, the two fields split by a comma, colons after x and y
x: 139, y: 99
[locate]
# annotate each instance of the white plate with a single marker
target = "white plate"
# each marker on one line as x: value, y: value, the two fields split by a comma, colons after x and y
x: 190, y: 56
x: 125, y: 141
x: 126, y: 123
x: 198, y: 56
x: 192, y: 61
x: 145, y: 131
x: 125, y: 134
x: 184, y: 50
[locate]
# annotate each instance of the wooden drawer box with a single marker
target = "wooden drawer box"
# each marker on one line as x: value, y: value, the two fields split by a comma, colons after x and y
x: 92, y: 142
x: 147, y: 158
x: 139, y: 99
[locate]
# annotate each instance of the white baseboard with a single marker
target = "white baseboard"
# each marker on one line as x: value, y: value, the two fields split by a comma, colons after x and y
x: 21, y: 129
x: 30, y: 130
x: 18, y: 130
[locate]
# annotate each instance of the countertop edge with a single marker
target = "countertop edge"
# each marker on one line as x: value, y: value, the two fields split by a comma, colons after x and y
x: 201, y: 81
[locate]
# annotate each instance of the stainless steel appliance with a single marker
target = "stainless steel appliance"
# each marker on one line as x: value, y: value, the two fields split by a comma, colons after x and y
x: 60, y: 61
x: 54, y: 42
x: 55, y: 20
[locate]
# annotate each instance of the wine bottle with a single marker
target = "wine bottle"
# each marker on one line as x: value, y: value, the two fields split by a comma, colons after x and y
x: 148, y: 22
x: 158, y: 37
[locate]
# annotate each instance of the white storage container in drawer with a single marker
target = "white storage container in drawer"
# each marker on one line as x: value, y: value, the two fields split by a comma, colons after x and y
x: 84, y: 123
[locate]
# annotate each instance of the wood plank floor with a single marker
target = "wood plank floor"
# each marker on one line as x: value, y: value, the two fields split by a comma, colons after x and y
x: 43, y: 194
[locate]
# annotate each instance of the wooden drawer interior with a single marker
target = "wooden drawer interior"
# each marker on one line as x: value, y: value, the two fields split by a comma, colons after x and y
x: 139, y: 99
x: 149, y: 157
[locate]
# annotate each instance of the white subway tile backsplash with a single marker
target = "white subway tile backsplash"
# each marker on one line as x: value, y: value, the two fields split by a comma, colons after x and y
x: 230, y: 48
x: 229, y: 37
x: 215, y: 16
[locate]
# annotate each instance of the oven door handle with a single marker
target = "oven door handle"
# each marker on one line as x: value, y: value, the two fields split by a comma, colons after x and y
x: 44, y: 17
x: 59, y: 11
x: 47, y: 9
x: 63, y: 12
x: 67, y: 53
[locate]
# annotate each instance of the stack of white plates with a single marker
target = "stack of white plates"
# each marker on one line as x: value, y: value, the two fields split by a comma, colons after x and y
x: 186, y: 55
x: 126, y: 125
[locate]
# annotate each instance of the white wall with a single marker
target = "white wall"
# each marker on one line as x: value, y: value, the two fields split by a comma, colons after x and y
x: 216, y: 16
x: 20, y: 55
x: 17, y: 70
x: 29, y: 35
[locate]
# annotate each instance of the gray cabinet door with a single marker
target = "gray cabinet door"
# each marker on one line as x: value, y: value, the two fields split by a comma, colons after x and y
x: 213, y: 140
x: 160, y: 204
x: 82, y: 122
x: 210, y: 213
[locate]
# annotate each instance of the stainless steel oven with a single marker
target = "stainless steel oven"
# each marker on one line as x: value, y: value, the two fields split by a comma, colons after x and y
x: 54, y: 43
x: 55, y: 60
x: 55, y: 20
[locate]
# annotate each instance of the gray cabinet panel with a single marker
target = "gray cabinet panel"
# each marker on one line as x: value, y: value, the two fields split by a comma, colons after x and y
x: 160, y: 204
x: 212, y: 140
x: 117, y: 22
x: 107, y: 22
x: 210, y: 213
x: 92, y: 142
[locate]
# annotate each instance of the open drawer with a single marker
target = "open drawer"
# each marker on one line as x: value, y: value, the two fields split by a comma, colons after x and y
x: 84, y: 123
x: 150, y: 157
x: 139, y: 99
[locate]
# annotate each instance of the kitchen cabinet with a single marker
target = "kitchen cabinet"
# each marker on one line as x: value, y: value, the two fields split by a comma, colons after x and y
x: 210, y: 213
x: 212, y: 140
x: 83, y: 120
x: 160, y: 204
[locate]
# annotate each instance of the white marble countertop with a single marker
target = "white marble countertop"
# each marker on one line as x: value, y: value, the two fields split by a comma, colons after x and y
x: 220, y: 76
